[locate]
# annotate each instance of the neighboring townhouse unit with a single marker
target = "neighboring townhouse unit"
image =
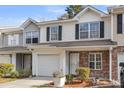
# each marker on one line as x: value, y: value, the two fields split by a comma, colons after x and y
x: 91, y: 39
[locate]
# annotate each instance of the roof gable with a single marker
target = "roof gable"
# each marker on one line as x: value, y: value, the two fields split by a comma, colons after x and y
x: 91, y: 8
x: 27, y: 22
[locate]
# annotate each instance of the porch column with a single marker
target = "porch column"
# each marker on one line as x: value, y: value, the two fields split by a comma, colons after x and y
x: 34, y: 64
x: 14, y: 60
x: 63, y: 62
x: 110, y: 63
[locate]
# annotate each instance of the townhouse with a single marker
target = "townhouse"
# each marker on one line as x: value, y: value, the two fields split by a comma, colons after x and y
x: 91, y: 39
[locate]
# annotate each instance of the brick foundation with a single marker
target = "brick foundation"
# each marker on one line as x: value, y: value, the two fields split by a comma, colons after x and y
x: 115, y: 51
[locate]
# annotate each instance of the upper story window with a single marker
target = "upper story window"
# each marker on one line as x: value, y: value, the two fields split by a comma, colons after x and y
x: 54, y: 33
x: 89, y: 30
x: 95, y: 61
x: 13, y: 40
x: 32, y: 37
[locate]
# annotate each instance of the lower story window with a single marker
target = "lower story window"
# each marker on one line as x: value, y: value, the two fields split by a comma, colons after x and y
x: 95, y: 61
x: 28, y: 40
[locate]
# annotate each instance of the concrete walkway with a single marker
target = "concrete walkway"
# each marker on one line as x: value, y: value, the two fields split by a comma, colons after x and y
x: 26, y: 83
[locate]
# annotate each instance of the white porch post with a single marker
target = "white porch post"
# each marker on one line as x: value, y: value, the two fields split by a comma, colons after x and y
x: 110, y: 63
x: 34, y: 64
x: 14, y: 60
x: 63, y: 62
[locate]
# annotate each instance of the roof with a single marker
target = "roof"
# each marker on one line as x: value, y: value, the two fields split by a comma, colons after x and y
x: 92, y: 8
x: 103, y: 14
x: 10, y: 29
x: 14, y: 48
x: 80, y: 43
x: 112, y: 9
x: 27, y: 22
x: 55, y: 21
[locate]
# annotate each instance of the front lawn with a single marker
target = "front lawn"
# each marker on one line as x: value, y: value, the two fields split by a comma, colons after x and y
x: 3, y: 80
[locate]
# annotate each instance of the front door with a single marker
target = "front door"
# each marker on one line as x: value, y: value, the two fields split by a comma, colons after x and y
x: 27, y: 62
x: 120, y: 63
x: 74, y: 62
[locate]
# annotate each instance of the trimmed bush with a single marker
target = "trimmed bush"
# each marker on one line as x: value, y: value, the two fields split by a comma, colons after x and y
x: 69, y: 78
x: 14, y: 74
x: 83, y: 73
x: 5, y: 68
x: 24, y: 73
x: 0, y: 75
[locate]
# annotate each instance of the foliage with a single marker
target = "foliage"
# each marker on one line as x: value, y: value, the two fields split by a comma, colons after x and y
x: 14, y: 74
x: 83, y: 73
x: 73, y: 10
x: 69, y: 78
x: 24, y: 73
x: 5, y: 68
x: 58, y: 74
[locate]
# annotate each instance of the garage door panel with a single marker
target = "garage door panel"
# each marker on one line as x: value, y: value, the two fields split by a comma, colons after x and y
x: 47, y: 64
x: 5, y: 59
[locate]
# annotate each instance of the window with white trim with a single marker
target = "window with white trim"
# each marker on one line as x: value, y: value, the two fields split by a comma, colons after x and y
x: 32, y: 37
x: 54, y: 33
x: 95, y: 61
x: 89, y: 30
x: 13, y: 40
x: 84, y: 30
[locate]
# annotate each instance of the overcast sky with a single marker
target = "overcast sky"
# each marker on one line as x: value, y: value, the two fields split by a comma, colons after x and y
x: 15, y: 15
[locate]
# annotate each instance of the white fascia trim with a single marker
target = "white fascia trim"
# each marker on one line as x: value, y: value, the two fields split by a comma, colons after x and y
x: 55, y: 21
x: 50, y: 47
x: 28, y: 21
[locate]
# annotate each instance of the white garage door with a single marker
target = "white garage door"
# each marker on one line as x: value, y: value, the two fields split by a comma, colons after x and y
x: 47, y: 64
x: 5, y: 59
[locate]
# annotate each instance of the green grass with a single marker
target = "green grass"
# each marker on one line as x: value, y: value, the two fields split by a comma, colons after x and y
x: 43, y: 86
x: 3, y: 80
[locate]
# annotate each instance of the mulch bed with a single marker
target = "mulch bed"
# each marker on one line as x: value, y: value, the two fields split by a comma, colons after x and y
x: 75, y: 84
x: 78, y: 84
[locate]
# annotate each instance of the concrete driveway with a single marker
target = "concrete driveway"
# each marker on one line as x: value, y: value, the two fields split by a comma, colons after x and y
x: 27, y: 82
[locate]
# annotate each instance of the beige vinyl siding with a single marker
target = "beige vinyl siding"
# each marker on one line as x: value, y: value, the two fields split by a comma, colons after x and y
x: 117, y: 37
x: 68, y: 28
x: 30, y: 27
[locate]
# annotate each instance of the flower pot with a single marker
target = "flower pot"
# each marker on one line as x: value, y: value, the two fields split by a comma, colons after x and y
x: 59, y: 82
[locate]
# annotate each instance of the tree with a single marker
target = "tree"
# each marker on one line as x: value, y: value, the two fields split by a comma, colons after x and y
x: 73, y: 10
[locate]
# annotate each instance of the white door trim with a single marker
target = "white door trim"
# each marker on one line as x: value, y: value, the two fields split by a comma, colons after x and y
x: 77, y: 55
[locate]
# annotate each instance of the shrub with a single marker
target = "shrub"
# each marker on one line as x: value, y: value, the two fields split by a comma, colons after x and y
x: 14, y: 74
x: 24, y: 73
x: 83, y: 73
x: 5, y: 68
x: 69, y: 78
x: 0, y: 75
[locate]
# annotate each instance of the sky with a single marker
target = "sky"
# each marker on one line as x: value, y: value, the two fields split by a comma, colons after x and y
x: 13, y: 16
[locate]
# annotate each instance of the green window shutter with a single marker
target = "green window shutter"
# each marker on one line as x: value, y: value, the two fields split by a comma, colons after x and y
x: 60, y: 33
x: 76, y: 31
x: 48, y: 34
x: 101, y: 29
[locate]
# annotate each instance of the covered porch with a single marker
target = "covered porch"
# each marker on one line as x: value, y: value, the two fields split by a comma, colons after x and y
x: 98, y: 59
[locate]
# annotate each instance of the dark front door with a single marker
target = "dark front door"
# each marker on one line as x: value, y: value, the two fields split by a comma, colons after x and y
x: 27, y: 61
x: 23, y: 61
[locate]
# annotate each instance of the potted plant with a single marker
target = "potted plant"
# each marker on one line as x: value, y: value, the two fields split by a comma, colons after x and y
x: 58, y: 79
